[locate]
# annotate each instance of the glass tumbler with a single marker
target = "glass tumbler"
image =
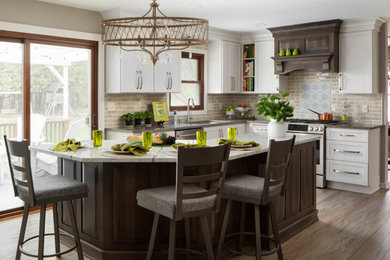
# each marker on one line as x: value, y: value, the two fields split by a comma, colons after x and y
x: 232, y: 133
x: 97, y: 138
x: 147, y: 139
x: 201, y: 137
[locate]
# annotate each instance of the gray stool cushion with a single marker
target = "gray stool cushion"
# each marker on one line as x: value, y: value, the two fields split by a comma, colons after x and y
x: 248, y: 186
x: 52, y: 188
x: 162, y: 200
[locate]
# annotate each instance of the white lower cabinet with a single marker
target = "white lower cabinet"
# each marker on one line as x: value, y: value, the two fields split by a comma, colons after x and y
x: 353, y: 159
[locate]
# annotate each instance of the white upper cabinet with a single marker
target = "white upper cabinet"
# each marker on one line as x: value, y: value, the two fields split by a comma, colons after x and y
x: 167, y: 76
x: 359, y: 58
x: 224, y: 67
x: 133, y: 72
x: 266, y: 80
x: 136, y: 72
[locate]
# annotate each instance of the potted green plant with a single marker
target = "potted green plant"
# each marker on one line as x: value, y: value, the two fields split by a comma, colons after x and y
x: 138, y: 116
x: 276, y: 109
x: 148, y: 117
x: 128, y: 119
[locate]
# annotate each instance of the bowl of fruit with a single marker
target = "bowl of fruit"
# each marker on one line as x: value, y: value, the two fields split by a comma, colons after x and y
x: 242, y: 109
x: 229, y: 111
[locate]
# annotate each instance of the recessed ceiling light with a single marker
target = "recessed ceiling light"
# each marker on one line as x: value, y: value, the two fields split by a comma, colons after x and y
x: 260, y: 24
x: 194, y: 6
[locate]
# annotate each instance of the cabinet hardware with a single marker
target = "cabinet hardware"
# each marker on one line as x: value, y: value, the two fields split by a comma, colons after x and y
x: 348, y: 135
x: 232, y: 83
x: 167, y: 74
x: 345, y: 151
x: 137, y: 75
x: 142, y: 80
x: 170, y: 79
x: 347, y: 172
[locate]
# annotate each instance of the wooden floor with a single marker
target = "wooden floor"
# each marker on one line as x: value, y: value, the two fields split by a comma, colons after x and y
x: 351, y: 226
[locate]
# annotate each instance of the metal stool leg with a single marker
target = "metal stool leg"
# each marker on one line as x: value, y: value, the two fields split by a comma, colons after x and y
x: 242, y: 226
x: 153, y: 236
x: 223, y: 230
x: 188, y: 237
x: 257, y: 232
x: 172, y: 238
x: 275, y: 230
x: 75, y: 230
x: 22, y: 229
x: 41, y: 242
x: 56, y: 230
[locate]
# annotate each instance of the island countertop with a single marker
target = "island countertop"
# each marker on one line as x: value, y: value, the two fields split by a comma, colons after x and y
x: 88, y: 153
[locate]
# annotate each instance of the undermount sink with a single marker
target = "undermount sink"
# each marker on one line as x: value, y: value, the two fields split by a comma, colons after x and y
x: 207, y: 122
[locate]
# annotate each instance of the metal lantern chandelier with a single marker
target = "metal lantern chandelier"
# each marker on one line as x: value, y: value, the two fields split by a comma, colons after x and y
x: 154, y: 32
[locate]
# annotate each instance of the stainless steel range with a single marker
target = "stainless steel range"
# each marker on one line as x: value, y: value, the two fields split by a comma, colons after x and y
x: 313, y: 127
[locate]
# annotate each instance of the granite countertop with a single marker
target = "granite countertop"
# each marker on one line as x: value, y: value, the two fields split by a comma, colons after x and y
x: 88, y: 153
x: 355, y: 126
x: 180, y: 126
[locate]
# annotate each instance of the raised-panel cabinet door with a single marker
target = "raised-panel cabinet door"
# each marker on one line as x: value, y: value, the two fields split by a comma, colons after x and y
x: 136, y: 72
x: 113, y: 71
x: 167, y: 72
x: 231, y: 78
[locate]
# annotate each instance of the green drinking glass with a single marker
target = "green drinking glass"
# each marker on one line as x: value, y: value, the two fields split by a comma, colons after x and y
x: 97, y: 138
x: 147, y: 139
x: 201, y: 137
x: 232, y: 133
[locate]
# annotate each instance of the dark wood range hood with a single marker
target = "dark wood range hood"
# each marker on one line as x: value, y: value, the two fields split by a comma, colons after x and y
x: 317, y: 43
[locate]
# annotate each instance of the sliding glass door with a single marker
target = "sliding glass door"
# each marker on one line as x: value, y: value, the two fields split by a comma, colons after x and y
x: 48, y: 92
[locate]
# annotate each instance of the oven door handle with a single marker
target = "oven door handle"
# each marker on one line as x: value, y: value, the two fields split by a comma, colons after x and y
x: 347, y: 135
x: 345, y: 151
x: 347, y: 172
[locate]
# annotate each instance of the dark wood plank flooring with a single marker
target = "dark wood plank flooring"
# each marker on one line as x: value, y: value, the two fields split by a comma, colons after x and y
x: 351, y: 226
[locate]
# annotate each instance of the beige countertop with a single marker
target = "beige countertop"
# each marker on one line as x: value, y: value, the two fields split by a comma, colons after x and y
x: 88, y: 153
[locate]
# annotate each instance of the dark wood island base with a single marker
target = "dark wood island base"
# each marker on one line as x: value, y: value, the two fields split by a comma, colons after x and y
x: 112, y: 226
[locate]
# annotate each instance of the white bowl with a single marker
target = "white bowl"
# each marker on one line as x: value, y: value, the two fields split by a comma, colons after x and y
x: 243, y: 110
x: 230, y: 113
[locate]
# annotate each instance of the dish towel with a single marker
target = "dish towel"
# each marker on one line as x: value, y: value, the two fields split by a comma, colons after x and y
x: 132, y: 149
x: 68, y: 145
x: 237, y: 143
x: 189, y: 145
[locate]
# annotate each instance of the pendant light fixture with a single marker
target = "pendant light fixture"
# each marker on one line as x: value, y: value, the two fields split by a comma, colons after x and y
x: 155, y: 32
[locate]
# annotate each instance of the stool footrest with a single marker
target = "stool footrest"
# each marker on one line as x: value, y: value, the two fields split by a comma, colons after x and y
x: 51, y: 255
x: 263, y: 253
x: 182, y: 250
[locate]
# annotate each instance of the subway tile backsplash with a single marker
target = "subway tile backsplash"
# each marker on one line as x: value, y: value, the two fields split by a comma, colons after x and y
x: 303, y: 87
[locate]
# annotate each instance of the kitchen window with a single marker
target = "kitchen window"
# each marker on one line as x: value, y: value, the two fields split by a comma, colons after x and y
x: 192, y: 83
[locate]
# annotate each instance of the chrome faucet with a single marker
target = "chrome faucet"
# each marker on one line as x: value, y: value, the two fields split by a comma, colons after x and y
x: 188, y: 108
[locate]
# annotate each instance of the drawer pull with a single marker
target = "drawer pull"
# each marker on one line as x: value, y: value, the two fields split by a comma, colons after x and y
x: 354, y: 173
x: 349, y: 135
x: 345, y: 151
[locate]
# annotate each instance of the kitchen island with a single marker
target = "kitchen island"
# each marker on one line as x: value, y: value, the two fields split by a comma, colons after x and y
x: 111, y: 224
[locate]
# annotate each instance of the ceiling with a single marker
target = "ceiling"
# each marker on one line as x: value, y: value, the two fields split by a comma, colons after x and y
x: 247, y: 15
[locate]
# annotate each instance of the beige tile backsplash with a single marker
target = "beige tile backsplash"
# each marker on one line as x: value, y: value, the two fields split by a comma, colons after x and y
x: 140, y: 102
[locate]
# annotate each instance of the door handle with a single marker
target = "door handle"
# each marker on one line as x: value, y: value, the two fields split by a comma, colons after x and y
x: 345, y: 151
x: 348, y: 135
x: 170, y: 80
x: 142, y: 79
x: 137, y: 75
x: 347, y: 172
x: 232, y: 83
x: 167, y: 81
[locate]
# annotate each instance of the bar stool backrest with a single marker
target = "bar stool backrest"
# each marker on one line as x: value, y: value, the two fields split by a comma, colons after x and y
x: 278, y: 162
x: 200, y: 166
x: 20, y: 167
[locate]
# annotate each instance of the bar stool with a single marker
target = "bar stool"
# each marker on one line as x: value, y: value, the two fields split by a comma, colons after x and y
x: 189, y: 198
x: 42, y: 190
x: 259, y: 191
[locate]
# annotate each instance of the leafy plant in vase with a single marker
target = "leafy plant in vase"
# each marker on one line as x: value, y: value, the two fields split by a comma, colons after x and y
x: 128, y: 119
x: 276, y: 109
x: 138, y: 116
x: 148, y: 117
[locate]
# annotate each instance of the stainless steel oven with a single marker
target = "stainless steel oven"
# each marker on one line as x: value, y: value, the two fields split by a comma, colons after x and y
x: 313, y: 127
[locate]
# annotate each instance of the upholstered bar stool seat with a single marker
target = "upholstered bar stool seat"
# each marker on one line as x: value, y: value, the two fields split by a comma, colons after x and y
x: 248, y: 187
x: 41, y: 190
x: 162, y: 200
x: 54, y: 188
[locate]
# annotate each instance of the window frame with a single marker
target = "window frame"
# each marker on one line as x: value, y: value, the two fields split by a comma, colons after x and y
x: 201, y: 81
